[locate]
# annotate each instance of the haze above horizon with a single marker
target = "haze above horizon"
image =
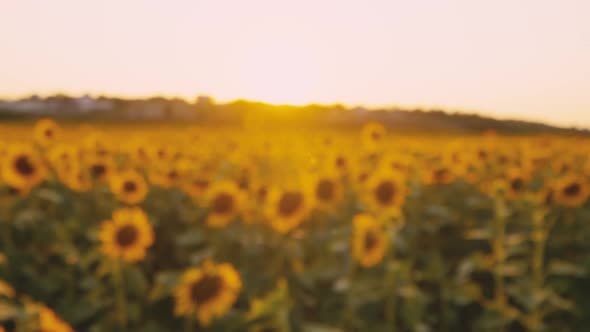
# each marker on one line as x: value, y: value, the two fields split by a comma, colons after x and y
x: 526, y: 59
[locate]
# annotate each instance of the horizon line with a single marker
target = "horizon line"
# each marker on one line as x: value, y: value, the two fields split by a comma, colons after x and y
x: 367, y: 106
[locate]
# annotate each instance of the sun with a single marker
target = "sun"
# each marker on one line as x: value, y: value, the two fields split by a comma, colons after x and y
x: 279, y: 74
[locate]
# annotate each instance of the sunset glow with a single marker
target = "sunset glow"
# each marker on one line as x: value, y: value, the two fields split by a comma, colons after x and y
x: 525, y: 59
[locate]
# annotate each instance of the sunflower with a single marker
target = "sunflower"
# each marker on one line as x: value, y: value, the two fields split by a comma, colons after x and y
x: 63, y: 160
x: 138, y: 153
x: 62, y: 153
x: 361, y: 176
x: 287, y: 209
x: 385, y: 193
x: 161, y: 153
x: 537, y: 160
x: 482, y: 155
x: 78, y: 179
x: 209, y: 291
x: 397, y: 163
x: 372, y: 135
x: 64, y: 169
x: 369, y: 240
x: 571, y: 191
x: 196, y: 186
x: 22, y: 168
x: 99, y: 168
x: 165, y: 175
x: 127, y: 235
x: 45, y: 132
x: 563, y: 166
x: 94, y: 144
x: 516, y: 181
x: 224, y: 200
x: 327, y: 191
x: 50, y: 322
x: 339, y: 163
x: 439, y: 175
x: 129, y: 187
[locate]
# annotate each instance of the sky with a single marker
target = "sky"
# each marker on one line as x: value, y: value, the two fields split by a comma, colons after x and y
x: 525, y: 59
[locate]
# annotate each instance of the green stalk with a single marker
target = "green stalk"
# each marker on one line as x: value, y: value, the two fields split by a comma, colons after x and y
x: 390, y: 287
x: 5, y: 222
x: 121, y: 301
x: 499, y: 255
x: 189, y: 322
x: 541, y: 230
x: 349, y: 311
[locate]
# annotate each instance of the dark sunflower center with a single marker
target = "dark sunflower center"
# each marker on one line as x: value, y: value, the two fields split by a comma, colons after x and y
x: 24, y: 166
x: 371, y: 241
x: 325, y: 190
x: 517, y: 184
x: 341, y: 162
x: 290, y: 202
x: 441, y: 175
x: 206, y: 288
x: 244, y: 183
x: 262, y: 192
x: 49, y: 133
x: 375, y: 136
x: 223, y: 203
x: 363, y: 177
x: 201, y: 184
x: 573, y: 189
x: 129, y: 186
x: 98, y: 170
x: 126, y: 236
x: 385, y: 192
x: 142, y: 153
x: 483, y: 155
x: 173, y: 175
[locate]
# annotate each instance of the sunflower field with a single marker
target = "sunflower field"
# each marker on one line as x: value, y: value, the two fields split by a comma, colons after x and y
x: 197, y: 228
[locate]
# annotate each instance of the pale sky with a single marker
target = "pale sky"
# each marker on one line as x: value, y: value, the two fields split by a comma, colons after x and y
x: 526, y: 59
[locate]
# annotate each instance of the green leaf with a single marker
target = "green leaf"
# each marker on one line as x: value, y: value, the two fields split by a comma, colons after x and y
x: 137, y: 283
x: 557, y: 267
x: 192, y: 237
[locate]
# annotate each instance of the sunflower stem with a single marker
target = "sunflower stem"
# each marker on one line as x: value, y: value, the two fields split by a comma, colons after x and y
x: 349, y: 311
x: 121, y: 301
x: 189, y: 322
x: 541, y: 229
x: 390, y: 285
x: 499, y: 255
x: 6, y: 225
x: 6, y: 239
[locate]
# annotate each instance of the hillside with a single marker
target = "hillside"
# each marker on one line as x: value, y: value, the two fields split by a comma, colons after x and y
x: 204, y: 110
